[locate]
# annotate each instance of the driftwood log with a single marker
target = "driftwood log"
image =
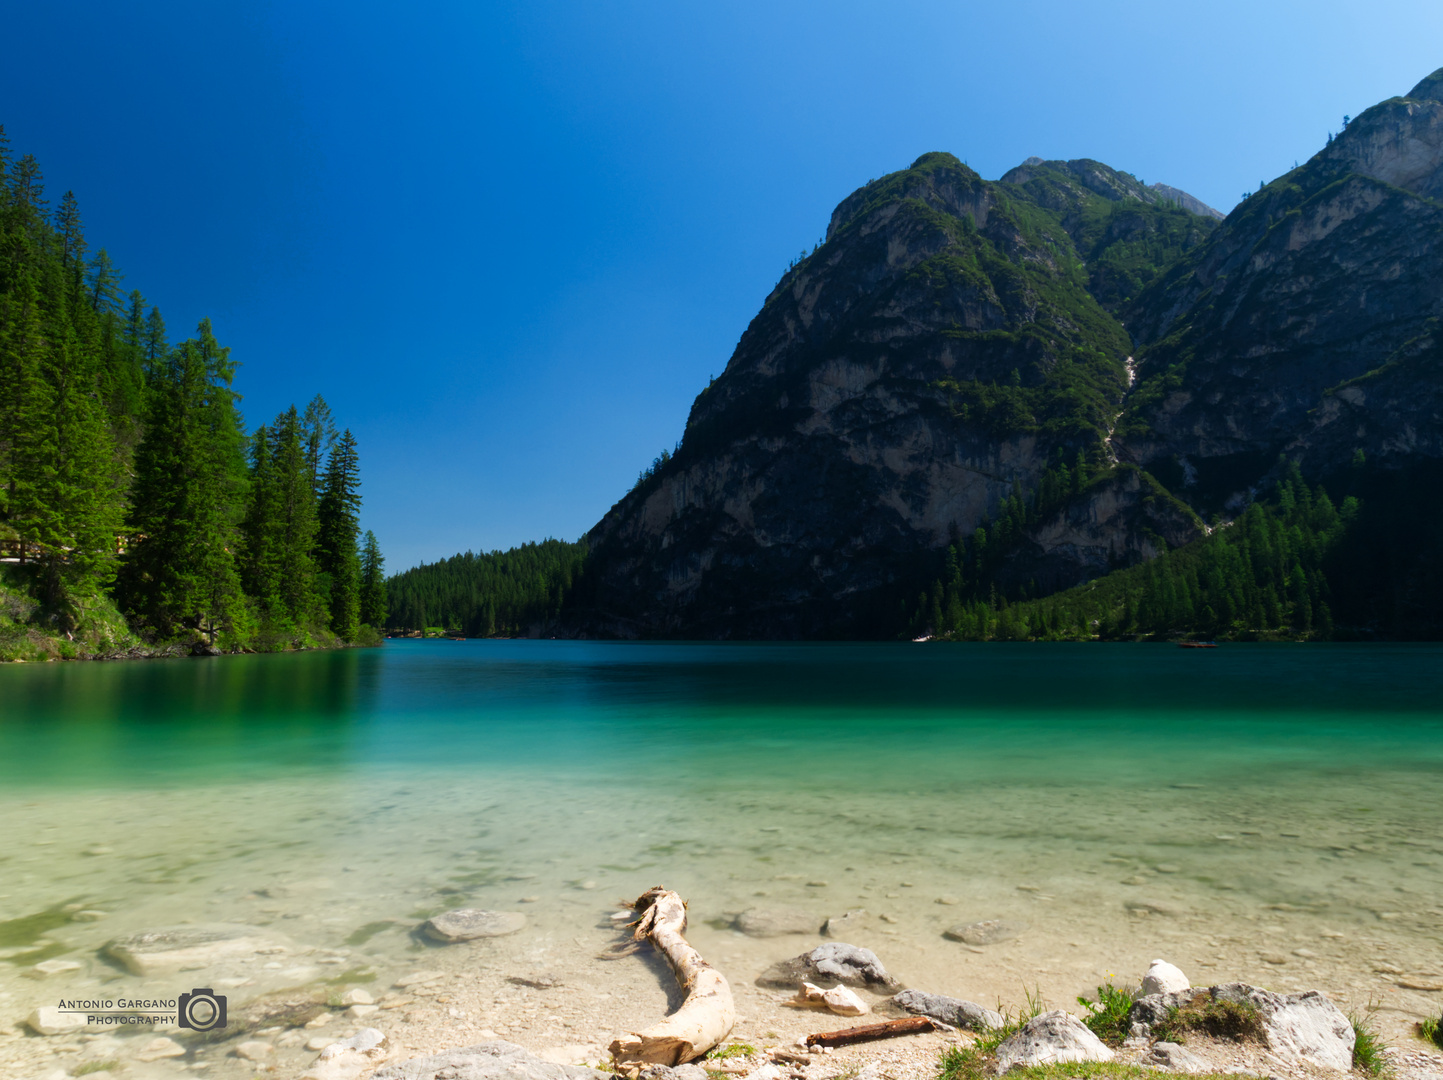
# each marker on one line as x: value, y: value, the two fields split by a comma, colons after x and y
x: 911, y: 1025
x: 707, y: 1015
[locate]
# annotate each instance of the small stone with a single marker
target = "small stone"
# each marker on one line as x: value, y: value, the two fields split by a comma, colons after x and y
x: 254, y: 1050
x: 360, y: 1012
x: 52, y: 1020
x: 529, y: 900
x: 1167, y: 868
x: 818, y: 884
x: 1273, y: 958
x: 160, y: 1048
x: 320, y: 1042
x: 987, y: 932
x: 319, y: 1021
x: 1413, y: 983
x: 99, y: 849
x: 1175, y: 1058
x: 357, y: 996
x: 839, y: 999
x: 1163, y: 978
x: 948, y: 901
x: 587, y: 885
x: 621, y: 916
x: 89, y: 915
x: 47, y: 968
x: 776, y: 922
x: 1148, y: 907
x: 468, y: 924
x: 1136, y: 879
x: 840, y: 925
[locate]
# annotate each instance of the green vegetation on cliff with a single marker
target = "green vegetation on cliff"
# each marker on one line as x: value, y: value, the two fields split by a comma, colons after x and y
x: 127, y: 481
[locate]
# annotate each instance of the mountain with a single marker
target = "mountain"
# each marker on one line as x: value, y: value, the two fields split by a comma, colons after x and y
x: 1306, y: 326
x: 949, y: 343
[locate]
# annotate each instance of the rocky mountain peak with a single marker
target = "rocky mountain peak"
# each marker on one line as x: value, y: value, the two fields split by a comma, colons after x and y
x: 1429, y: 89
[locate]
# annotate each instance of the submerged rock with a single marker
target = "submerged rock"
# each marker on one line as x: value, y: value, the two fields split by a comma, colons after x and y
x: 1163, y: 978
x: 1051, y: 1039
x: 168, y: 949
x: 496, y: 1060
x: 952, y: 1011
x: 986, y: 932
x: 52, y: 1020
x: 468, y: 924
x: 775, y: 922
x: 834, y: 961
x: 348, y: 1058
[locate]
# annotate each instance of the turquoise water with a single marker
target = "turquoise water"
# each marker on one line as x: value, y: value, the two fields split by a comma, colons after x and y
x: 1253, y: 811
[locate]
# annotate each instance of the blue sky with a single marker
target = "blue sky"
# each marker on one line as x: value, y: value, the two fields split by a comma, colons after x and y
x: 510, y: 242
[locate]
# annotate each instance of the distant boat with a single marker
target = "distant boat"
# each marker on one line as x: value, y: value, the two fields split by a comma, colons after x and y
x: 1197, y: 644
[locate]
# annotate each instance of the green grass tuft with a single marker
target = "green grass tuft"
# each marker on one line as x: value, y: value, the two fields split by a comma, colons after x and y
x: 1239, y: 1021
x: 1108, y: 1015
x: 1368, y: 1056
x: 731, y: 1050
x: 96, y: 1066
x: 1431, y: 1030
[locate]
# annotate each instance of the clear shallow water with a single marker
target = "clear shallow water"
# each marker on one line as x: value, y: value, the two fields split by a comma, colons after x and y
x: 1219, y: 807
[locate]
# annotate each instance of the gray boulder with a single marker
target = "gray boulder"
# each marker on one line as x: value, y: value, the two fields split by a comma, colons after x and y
x: 834, y: 961
x: 986, y: 932
x: 776, y: 922
x: 485, y: 1061
x: 1053, y: 1038
x: 468, y: 924
x: 1152, y: 1009
x: 840, y: 925
x: 953, y: 1011
x: 672, y: 1072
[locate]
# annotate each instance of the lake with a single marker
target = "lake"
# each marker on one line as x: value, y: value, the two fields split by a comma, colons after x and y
x: 1270, y: 813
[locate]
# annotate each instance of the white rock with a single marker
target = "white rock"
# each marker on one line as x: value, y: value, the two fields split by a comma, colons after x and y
x: 360, y: 1012
x: 320, y: 1042
x: 254, y: 1050
x: 47, y: 968
x: 52, y: 1020
x: 160, y: 1048
x: 1051, y: 1039
x: 839, y: 999
x: 766, y: 1072
x: 1163, y: 978
x: 319, y: 1021
x: 368, y: 1041
x: 357, y: 996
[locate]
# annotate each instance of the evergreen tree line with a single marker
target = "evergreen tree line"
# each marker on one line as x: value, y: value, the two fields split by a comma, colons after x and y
x: 126, y: 471
x: 496, y: 594
x: 1269, y: 574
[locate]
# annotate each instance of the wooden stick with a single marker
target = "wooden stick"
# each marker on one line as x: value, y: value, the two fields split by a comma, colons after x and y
x: 910, y: 1025
x: 707, y: 1015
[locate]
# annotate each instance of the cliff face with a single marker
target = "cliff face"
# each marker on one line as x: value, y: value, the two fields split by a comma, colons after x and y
x: 956, y: 341
x: 1306, y: 325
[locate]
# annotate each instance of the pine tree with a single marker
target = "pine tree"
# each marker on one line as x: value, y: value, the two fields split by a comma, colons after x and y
x: 180, y: 574
x: 293, y: 527
x: 320, y: 436
x: 338, y: 515
x: 373, y: 583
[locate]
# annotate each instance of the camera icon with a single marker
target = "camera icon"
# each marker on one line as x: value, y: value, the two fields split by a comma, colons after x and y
x: 201, y: 1010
